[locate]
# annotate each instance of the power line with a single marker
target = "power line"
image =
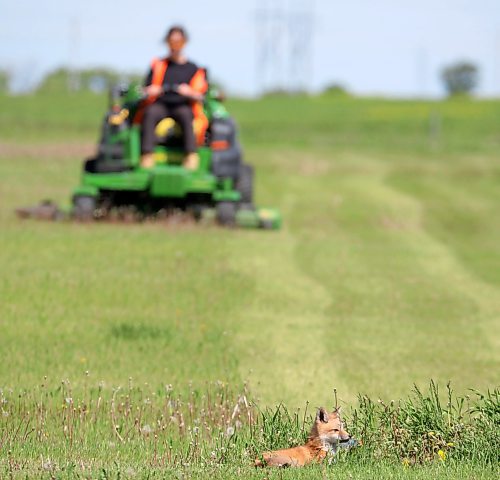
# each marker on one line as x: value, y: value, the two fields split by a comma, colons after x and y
x: 285, y: 31
x: 301, y: 35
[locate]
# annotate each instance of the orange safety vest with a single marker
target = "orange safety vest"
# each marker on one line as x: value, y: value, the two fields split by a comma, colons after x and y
x: 197, y: 83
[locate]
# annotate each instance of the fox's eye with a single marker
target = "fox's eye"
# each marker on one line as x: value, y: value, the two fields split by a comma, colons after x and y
x: 336, y: 430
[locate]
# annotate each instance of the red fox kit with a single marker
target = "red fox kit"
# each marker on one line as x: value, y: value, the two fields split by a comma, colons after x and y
x: 326, y: 434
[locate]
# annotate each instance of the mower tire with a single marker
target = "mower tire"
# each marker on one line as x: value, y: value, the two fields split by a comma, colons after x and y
x: 83, y: 208
x: 226, y: 213
x: 266, y: 225
x: 244, y: 183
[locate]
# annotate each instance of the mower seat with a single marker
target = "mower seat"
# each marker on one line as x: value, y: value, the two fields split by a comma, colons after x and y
x: 169, y: 134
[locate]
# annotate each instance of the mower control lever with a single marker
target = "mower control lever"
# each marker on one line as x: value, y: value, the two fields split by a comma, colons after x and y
x: 174, y: 87
x: 164, y: 89
x: 168, y: 88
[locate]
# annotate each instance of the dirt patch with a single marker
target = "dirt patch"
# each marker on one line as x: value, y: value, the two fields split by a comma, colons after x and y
x: 47, y: 150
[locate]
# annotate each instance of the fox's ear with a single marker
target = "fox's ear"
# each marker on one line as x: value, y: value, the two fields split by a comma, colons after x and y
x: 322, y: 416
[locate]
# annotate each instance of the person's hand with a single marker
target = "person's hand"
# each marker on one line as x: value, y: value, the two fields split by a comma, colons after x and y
x: 185, y: 90
x: 153, y: 90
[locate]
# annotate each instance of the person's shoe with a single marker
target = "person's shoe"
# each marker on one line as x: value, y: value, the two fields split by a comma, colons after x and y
x: 147, y: 160
x: 191, y: 161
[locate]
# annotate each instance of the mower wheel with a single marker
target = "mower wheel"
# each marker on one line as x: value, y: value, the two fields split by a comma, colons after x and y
x: 244, y: 183
x: 226, y: 213
x: 84, y: 208
x: 266, y: 225
x: 197, y: 211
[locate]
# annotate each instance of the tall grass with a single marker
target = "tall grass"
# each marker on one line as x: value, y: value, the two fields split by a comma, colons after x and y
x: 54, y: 431
x: 424, y: 427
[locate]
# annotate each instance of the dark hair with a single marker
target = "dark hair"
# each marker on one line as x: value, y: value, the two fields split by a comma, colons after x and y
x: 177, y: 29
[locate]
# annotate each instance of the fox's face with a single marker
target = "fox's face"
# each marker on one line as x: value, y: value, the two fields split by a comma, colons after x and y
x: 328, y: 427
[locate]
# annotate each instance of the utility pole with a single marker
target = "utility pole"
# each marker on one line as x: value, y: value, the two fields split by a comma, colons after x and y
x: 74, y: 50
x: 422, y: 65
x: 496, y: 66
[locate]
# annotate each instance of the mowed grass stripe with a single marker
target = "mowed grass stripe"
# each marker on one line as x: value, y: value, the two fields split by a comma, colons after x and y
x: 280, y: 333
x: 394, y: 284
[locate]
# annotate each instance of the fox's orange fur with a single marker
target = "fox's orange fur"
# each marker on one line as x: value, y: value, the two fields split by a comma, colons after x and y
x: 326, y: 433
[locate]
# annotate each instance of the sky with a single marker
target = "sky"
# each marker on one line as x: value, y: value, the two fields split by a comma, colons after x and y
x: 383, y: 47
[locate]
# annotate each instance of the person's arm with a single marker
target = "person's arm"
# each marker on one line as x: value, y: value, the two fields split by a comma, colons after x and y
x: 196, y: 88
x: 151, y: 90
x: 148, y: 79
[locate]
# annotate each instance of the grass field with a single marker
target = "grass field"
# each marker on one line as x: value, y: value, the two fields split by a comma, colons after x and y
x: 386, y: 274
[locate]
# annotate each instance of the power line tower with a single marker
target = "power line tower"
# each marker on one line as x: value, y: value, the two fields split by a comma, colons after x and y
x: 271, y: 34
x: 284, y: 44
x: 301, y: 41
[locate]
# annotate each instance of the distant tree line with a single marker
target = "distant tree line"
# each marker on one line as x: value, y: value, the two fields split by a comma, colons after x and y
x: 63, y: 80
x: 96, y: 80
x: 460, y: 78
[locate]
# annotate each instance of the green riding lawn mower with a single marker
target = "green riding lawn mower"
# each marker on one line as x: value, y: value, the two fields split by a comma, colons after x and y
x: 115, y: 186
x: 221, y: 188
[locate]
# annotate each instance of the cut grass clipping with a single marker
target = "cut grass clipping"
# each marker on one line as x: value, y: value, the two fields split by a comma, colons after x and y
x: 53, y: 431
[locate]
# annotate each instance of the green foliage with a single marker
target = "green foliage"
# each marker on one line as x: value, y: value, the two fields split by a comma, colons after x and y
x: 461, y: 78
x: 278, y: 428
x: 426, y: 427
x: 336, y: 89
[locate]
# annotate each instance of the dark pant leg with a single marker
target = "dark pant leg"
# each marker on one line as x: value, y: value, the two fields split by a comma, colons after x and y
x: 153, y: 114
x: 183, y: 115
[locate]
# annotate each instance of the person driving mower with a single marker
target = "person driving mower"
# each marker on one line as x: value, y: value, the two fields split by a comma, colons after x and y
x: 175, y: 88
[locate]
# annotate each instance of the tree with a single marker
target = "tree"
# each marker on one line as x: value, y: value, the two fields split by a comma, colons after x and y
x: 460, y: 78
x: 336, y: 89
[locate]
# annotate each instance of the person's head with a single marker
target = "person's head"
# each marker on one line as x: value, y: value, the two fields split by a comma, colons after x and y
x: 176, y: 38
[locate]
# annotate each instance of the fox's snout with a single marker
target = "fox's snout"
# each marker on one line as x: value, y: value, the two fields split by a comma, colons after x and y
x: 340, y: 436
x: 344, y: 436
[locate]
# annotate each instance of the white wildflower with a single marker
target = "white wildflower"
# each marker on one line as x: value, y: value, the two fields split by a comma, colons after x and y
x: 47, y: 465
x: 146, y: 430
x: 130, y: 472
